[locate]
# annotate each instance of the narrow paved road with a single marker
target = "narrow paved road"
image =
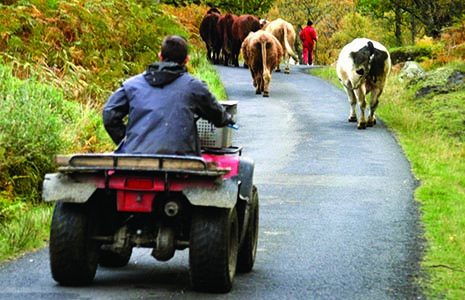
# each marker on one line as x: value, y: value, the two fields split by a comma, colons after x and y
x: 338, y: 219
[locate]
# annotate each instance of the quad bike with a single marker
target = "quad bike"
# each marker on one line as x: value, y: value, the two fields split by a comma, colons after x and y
x: 107, y: 204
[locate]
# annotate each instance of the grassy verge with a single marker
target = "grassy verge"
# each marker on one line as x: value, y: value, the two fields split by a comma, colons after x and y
x: 431, y: 131
x: 28, y: 230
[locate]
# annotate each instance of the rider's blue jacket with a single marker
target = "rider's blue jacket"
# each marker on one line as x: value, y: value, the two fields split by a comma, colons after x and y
x: 162, y: 105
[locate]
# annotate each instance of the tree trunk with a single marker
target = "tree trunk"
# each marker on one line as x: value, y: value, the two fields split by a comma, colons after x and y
x: 413, y: 29
x: 398, y: 23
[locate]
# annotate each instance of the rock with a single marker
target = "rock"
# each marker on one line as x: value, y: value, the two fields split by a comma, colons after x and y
x: 456, y: 78
x: 412, y: 71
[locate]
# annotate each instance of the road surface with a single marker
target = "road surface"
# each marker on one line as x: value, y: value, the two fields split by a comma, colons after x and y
x: 337, y: 217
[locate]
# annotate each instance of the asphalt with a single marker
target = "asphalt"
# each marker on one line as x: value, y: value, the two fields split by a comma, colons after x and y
x: 337, y: 215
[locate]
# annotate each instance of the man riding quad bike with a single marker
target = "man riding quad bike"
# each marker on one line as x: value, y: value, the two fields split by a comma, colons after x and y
x: 160, y: 189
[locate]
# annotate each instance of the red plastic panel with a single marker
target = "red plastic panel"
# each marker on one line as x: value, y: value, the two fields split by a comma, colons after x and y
x: 132, y: 201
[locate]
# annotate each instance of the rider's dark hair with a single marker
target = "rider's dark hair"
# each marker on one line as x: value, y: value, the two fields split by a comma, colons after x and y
x: 309, y: 23
x: 174, y: 49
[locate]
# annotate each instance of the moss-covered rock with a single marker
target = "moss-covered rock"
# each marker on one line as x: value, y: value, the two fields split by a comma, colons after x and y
x: 439, y: 81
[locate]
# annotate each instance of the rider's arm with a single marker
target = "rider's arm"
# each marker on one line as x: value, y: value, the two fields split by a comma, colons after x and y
x: 114, y: 111
x: 209, y: 108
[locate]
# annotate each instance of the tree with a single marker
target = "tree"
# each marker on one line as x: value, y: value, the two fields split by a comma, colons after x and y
x: 434, y: 14
x: 238, y: 7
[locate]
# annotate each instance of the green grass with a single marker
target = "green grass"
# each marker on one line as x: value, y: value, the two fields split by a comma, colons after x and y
x: 28, y: 230
x: 431, y: 131
x: 205, y: 71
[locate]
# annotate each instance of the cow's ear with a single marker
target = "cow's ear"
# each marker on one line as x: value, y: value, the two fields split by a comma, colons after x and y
x: 383, y: 55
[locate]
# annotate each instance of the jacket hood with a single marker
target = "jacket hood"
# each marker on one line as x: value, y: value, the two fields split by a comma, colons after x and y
x: 161, y: 73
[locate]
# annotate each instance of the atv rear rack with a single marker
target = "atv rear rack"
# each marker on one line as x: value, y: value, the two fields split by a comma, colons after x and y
x: 88, y: 163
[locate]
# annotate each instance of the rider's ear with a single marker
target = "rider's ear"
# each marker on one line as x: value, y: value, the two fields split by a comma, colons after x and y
x: 186, y: 60
x: 160, y: 56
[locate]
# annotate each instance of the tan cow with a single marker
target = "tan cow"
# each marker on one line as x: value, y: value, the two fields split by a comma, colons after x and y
x: 285, y: 33
x: 262, y: 52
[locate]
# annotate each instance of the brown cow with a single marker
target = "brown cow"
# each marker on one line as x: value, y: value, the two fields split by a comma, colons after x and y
x: 242, y: 26
x: 285, y: 33
x: 225, y: 24
x: 210, y: 35
x: 262, y: 53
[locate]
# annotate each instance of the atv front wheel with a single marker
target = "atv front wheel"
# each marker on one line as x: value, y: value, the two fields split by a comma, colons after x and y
x: 248, y: 250
x: 73, y: 254
x: 213, y: 249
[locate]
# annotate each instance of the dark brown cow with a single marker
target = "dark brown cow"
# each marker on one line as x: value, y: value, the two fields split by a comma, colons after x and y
x: 242, y: 26
x: 262, y: 53
x: 210, y: 35
x: 225, y: 24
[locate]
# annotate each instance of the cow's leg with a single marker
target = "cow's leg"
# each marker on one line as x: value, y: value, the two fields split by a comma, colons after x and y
x: 286, y: 61
x: 266, y: 82
x: 353, y: 102
x: 373, y: 105
x: 226, y: 58
x: 256, y: 84
x: 360, y: 94
x: 260, y: 85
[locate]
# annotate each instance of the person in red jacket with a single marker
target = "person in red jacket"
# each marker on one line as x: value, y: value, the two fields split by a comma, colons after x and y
x: 308, y: 37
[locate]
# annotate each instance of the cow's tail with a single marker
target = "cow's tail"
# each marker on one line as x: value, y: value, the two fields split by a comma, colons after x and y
x: 263, y: 46
x: 288, y: 47
x: 266, y: 73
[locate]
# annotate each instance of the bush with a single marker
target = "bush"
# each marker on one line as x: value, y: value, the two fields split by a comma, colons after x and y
x: 29, y: 131
x: 37, y: 123
x: 417, y: 53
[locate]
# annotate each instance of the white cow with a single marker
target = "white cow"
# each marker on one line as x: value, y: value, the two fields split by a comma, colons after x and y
x: 363, y: 67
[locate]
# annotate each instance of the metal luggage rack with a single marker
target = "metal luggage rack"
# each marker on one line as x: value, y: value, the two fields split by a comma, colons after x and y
x: 130, y: 162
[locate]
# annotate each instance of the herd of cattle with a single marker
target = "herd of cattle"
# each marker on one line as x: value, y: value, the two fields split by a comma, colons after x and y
x: 263, y: 44
x: 362, y: 66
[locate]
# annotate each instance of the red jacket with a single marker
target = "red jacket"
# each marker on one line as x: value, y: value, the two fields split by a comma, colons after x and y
x: 308, y: 36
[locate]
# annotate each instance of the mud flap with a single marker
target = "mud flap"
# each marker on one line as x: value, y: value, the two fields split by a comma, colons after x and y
x: 61, y: 187
x: 223, y: 195
x: 245, y: 177
x: 246, y: 168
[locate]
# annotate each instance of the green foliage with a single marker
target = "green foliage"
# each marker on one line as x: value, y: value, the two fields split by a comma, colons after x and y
x: 414, y: 52
x: 355, y: 25
x: 37, y: 124
x: 29, y: 131
x: 86, y: 48
x: 28, y: 229
x: 238, y: 7
x: 202, y: 69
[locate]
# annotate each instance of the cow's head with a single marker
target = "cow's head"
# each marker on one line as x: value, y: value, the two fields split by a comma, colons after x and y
x: 362, y: 59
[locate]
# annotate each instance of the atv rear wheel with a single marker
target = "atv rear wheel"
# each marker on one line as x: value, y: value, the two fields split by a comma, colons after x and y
x: 73, y: 254
x: 248, y: 250
x: 213, y: 249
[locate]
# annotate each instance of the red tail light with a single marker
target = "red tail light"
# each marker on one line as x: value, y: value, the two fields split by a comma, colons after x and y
x: 139, y: 183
